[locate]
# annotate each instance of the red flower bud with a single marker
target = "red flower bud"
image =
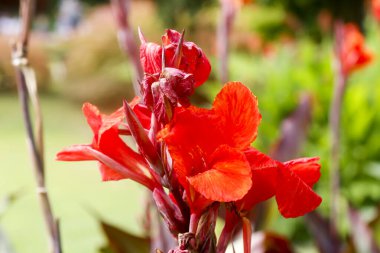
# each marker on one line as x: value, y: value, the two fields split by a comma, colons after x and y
x: 163, y: 93
x: 192, y: 60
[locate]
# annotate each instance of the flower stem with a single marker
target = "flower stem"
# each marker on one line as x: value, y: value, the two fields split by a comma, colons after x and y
x: 231, y: 222
x: 194, y: 219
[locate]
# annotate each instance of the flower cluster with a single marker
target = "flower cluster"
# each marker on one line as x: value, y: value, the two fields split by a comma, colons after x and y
x: 194, y: 160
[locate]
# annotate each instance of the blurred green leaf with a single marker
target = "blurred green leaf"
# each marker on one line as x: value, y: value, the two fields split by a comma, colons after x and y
x: 123, y: 242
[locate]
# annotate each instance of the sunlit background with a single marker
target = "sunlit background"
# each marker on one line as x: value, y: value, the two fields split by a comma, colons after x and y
x: 282, y: 50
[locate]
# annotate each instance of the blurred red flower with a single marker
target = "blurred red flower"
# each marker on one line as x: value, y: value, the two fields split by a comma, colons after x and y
x: 192, y: 60
x: 352, y: 52
x: 375, y: 4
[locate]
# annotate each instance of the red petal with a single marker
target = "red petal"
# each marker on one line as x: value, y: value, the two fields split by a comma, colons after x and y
x: 238, y: 109
x: 109, y: 174
x: 75, y: 153
x: 228, y: 178
x: 171, y: 36
x: 114, y: 147
x: 192, y: 135
x: 308, y: 169
x: 294, y: 197
x: 94, y: 119
x: 264, y: 179
x: 193, y: 60
x: 150, y: 57
x: 143, y: 142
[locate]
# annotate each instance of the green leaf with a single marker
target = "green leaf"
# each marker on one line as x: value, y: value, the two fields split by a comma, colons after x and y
x: 123, y: 242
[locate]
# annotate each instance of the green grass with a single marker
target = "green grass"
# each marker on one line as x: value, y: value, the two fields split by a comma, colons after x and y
x: 78, y: 195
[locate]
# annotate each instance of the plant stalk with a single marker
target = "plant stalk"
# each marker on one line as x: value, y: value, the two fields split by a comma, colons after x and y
x: 121, y: 9
x: 26, y: 85
x: 226, y: 20
x: 340, y: 85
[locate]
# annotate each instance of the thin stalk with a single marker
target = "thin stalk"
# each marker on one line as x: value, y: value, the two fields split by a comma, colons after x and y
x: 26, y: 85
x: 126, y: 39
x: 335, y: 115
x: 340, y: 85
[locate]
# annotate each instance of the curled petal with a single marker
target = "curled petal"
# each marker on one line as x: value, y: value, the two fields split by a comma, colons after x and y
x: 238, y: 109
x: 228, y: 179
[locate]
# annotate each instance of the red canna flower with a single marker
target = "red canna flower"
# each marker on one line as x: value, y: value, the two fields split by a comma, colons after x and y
x: 116, y: 160
x: 352, y: 53
x: 191, y: 58
x: 213, y: 160
x: 207, y: 146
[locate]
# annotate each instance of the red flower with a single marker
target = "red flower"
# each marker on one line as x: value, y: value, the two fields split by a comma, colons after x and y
x: 352, y: 54
x: 207, y: 146
x: 117, y: 160
x: 192, y: 60
x: 213, y: 160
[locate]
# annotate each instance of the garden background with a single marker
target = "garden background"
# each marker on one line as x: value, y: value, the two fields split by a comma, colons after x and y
x: 282, y: 50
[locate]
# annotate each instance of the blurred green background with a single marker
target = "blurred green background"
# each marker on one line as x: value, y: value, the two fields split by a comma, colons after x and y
x: 280, y: 49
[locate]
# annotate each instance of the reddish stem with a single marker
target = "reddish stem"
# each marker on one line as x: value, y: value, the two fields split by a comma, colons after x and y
x: 127, y: 42
x: 335, y: 116
x: 231, y: 222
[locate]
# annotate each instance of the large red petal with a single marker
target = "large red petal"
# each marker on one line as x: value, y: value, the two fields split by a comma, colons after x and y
x: 114, y: 147
x: 191, y: 137
x: 264, y: 179
x: 308, y: 169
x: 238, y: 109
x: 228, y: 178
x: 294, y: 197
